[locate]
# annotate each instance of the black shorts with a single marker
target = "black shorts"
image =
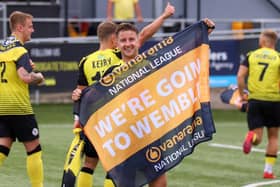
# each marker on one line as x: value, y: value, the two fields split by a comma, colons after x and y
x: 89, y: 149
x: 22, y: 127
x: 263, y: 114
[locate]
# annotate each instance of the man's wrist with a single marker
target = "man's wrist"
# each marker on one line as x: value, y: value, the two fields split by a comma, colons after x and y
x: 76, y: 117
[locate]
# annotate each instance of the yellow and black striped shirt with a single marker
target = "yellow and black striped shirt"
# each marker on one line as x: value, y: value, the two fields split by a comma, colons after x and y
x: 14, y: 93
x: 98, y: 64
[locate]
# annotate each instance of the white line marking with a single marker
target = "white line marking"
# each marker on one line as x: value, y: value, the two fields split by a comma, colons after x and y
x: 262, y: 183
x: 225, y: 146
x: 236, y: 147
x: 58, y: 126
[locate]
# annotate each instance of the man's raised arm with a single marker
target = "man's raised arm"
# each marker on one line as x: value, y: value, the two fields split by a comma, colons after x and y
x: 148, y: 31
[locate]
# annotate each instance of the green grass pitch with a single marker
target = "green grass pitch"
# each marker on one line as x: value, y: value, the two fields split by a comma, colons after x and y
x: 217, y: 163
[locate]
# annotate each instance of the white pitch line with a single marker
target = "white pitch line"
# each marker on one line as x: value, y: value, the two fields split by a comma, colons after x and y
x: 225, y: 146
x: 253, y: 149
x: 262, y: 183
x: 57, y: 126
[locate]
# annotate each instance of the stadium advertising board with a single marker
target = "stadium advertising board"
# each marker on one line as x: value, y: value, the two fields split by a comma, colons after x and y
x: 224, y: 62
x: 59, y: 64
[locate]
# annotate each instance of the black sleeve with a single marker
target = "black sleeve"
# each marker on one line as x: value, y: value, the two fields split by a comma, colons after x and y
x: 76, y: 107
x: 118, y: 53
x: 24, y: 61
x: 245, y: 62
x: 82, y: 80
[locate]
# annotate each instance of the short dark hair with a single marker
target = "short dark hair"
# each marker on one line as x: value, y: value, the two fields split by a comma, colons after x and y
x: 126, y: 27
x: 106, y: 29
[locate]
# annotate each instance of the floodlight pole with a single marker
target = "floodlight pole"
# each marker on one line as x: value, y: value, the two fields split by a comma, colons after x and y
x: 198, y: 16
x: 65, y: 18
x: 3, y: 7
x: 185, y: 5
x: 159, y: 7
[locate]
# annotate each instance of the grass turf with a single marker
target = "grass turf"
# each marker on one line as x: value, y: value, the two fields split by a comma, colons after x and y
x: 208, y: 166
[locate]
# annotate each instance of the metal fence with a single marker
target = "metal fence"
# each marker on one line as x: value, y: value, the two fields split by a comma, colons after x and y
x: 224, y: 27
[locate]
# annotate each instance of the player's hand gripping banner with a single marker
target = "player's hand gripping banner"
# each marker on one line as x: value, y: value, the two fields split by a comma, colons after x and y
x: 147, y: 115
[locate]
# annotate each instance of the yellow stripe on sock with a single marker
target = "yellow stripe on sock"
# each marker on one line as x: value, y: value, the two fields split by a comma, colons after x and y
x: 270, y: 160
x: 254, y: 138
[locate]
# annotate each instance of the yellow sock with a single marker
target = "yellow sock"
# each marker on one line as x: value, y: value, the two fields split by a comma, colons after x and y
x: 270, y: 160
x: 108, y: 183
x: 85, y: 179
x: 34, y: 167
x: 269, y: 163
x: 2, y: 158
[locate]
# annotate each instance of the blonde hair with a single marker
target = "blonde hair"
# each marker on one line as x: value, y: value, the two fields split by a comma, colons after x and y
x: 270, y: 36
x: 18, y: 17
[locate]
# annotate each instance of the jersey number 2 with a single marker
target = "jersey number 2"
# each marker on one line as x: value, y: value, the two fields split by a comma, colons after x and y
x: 3, y: 69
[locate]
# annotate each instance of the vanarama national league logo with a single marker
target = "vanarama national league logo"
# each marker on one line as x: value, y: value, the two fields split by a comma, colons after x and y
x: 153, y: 154
x: 110, y: 78
x: 187, y: 134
